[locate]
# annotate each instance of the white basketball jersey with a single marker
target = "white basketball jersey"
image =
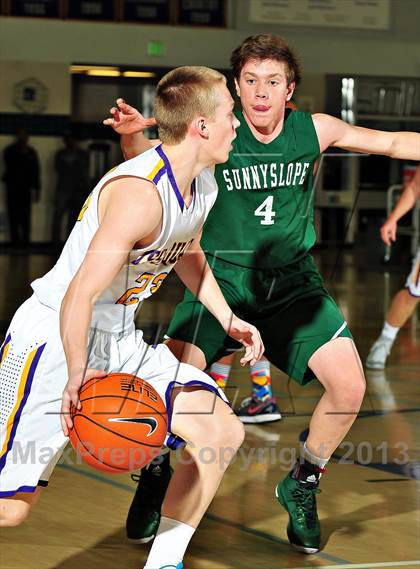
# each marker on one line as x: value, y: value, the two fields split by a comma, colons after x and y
x: 146, y: 268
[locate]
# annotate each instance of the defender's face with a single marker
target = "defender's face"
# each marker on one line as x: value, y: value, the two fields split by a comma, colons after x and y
x: 222, y: 128
x: 264, y: 91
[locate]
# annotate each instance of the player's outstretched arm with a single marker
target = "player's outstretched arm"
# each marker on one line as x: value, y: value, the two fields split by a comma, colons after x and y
x: 406, y: 202
x: 195, y: 273
x: 123, y: 204
x: 335, y: 132
x: 130, y: 124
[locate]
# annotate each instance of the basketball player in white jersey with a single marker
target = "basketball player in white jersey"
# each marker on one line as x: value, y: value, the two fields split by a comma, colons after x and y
x: 406, y: 300
x: 142, y: 218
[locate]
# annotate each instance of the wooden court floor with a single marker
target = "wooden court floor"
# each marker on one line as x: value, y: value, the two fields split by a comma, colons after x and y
x: 369, y: 505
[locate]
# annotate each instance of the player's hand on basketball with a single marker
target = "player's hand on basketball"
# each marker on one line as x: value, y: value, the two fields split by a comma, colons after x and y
x: 127, y: 120
x: 71, y: 394
x: 389, y: 231
x: 248, y: 336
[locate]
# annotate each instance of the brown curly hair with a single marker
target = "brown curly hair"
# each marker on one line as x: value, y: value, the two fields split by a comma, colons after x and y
x: 266, y: 46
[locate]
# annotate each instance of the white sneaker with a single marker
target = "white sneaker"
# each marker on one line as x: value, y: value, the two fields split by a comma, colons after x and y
x: 378, y: 353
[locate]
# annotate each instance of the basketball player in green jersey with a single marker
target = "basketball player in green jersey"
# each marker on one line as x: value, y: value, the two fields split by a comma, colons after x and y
x: 258, y: 237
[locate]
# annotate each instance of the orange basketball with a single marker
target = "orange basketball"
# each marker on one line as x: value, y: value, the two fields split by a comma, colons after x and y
x: 121, y: 425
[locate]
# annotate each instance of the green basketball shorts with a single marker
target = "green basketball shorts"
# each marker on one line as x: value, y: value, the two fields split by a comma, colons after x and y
x: 290, y: 307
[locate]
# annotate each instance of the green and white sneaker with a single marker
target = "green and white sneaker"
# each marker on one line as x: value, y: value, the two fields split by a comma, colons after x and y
x: 298, y: 499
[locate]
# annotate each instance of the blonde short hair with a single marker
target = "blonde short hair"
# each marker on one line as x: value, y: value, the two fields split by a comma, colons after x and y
x: 181, y: 95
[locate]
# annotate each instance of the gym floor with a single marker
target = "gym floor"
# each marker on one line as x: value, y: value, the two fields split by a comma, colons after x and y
x: 369, y: 501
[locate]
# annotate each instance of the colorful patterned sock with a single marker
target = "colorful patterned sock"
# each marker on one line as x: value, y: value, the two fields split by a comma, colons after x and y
x: 261, y: 380
x: 220, y: 374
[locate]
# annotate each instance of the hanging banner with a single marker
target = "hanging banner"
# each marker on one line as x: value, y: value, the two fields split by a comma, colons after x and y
x: 147, y: 11
x: 35, y: 8
x: 91, y: 10
x: 356, y: 14
x: 202, y: 12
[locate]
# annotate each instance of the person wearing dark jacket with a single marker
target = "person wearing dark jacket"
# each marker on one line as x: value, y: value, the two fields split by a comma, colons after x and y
x: 22, y: 180
x: 71, y: 165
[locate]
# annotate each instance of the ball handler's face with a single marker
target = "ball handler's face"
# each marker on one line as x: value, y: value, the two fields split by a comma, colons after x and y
x: 222, y: 127
x: 264, y: 91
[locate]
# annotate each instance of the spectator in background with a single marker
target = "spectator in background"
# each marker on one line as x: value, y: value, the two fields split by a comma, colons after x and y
x: 72, y: 167
x: 22, y: 181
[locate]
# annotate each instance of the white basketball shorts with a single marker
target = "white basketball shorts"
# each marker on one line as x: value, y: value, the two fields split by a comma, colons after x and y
x: 413, y: 280
x: 33, y: 374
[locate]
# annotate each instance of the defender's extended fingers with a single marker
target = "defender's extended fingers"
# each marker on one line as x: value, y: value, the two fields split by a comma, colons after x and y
x: 249, y: 356
x: 258, y: 346
x: 251, y: 337
x: 261, y: 347
x: 125, y: 108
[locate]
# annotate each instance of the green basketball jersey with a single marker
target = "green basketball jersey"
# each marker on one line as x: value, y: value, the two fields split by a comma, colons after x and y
x: 263, y: 215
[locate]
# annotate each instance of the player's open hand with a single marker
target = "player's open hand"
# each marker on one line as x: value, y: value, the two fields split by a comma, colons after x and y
x: 127, y: 120
x: 389, y: 231
x: 71, y: 395
x: 248, y: 336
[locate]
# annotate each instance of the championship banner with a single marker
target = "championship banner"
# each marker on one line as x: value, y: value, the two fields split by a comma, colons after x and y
x: 356, y: 14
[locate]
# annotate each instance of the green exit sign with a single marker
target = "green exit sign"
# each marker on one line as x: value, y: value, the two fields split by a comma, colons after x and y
x: 156, y: 48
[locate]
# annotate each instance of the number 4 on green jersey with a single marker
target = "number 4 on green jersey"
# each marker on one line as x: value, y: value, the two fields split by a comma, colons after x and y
x: 265, y: 210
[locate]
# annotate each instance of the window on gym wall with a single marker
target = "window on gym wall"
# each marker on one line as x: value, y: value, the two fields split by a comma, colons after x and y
x: 95, y: 89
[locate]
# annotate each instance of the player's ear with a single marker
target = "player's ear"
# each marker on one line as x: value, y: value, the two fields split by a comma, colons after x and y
x: 202, y: 128
x: 290, y: 90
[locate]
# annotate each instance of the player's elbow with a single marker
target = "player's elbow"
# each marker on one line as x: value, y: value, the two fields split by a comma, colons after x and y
x: 394, y: 148
x: 404, y: 146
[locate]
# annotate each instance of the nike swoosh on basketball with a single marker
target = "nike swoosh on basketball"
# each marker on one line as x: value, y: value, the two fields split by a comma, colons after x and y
x: 150, y: 421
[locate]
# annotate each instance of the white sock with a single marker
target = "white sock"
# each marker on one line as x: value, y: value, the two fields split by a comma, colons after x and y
x: 220, y: 369
x: 220, y: 374
x: 170, y: 543
x: 390, y: 332
x: 317, y: 460
x: 262, y: 365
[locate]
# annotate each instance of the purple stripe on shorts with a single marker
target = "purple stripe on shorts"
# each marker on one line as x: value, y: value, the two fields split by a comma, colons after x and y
x: 26, y: 392
x: 173, y: 440
x: 3, y: 346
x: 20, y: 489
x: 411, y: 293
